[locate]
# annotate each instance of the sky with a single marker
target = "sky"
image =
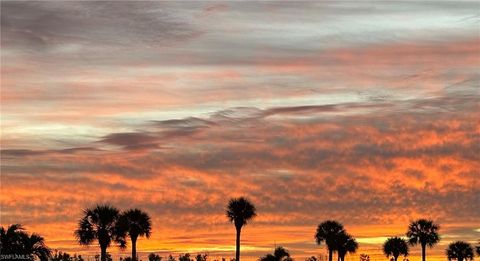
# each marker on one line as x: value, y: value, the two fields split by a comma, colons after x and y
x: 362, y: 112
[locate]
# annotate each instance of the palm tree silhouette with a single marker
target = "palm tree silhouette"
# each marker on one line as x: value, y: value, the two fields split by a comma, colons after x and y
x: 100, y: 223
x: 395, y: 246
x: 14, y: 240
x: 154, y: 257
x: 240, y: 211
x: 279, y: 254
x: 423, y: 232
x: 10, y: 239
x: 345, y: 244
x: 329, y: 232
x: 460, y: 251
x: 135, y: 223
x: 35, y: 245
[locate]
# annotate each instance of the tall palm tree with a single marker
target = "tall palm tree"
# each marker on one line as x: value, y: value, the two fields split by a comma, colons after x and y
x: 329, y: 231
x: 279, y: 254
x: 240, y: 211
x: 135, y: 223
x: 423, y: 232
x: 14, y: 240
x: 100, y: 223
x: 460, y: 251
x: 395, y: 246
x: 345, y: 244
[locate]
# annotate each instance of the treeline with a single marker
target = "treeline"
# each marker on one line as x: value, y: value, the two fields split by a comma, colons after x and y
x: 106, y: 225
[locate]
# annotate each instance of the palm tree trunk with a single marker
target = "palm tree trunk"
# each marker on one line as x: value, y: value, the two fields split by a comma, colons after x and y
x: 134, y: 248
x: 330, y: 254
x: 423, y: 252
x: 103, y: 253
x: 237, y: 253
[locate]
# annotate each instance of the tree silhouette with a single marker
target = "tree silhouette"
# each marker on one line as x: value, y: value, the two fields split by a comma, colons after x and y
x: 171, y: 258
x: 100, y: 223
x: 64, y: 256
x: 460, y: 251
x: 329, y: 232
x: 279, y: 254
x: 184, y: 257
x: 61, y: 256
x: 135, y: 223
x: 154, y: 257
x: 200, y: 257
x: 35, y: 245
x: 239, y: 212
x: 477, y: 248
x: 395, y: 247
x: 364, y: 257
x: 345, y: 244
x: 312, y: 258
x: 423, y: 232
x: 15, y: 241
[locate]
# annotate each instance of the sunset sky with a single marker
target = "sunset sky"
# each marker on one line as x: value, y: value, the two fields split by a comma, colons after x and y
x: 362, y: 112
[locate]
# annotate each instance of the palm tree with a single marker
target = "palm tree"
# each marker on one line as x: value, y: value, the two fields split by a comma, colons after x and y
x: 345, y: 244
x: 14, y: 240
x: 240, y: 211
x: 35, y: 245
x: 395, y: 246
x: 423, y: 232
x: 459, y: 250
x: 10, y: 239
x: 184, y: 257
x: 200, y: 257
x: 100, y: 223
x: 135, y: 223
x: 279, y: 254
x: 154, y: 257
x: 329, y: 231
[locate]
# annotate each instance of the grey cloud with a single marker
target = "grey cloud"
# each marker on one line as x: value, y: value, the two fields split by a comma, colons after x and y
x: 190, y: 122
x: 19, y: 152
x: 313, y: 109
x: 98, y: 31
x: 177, y: 128
x: 149, y: 140
x: 79, y: 149
x: 108, y: 23
x: 301, y: 109
x: 236, y: 115
x: 131, y: 140
x: 248, y: 125
x: 28, y: 152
